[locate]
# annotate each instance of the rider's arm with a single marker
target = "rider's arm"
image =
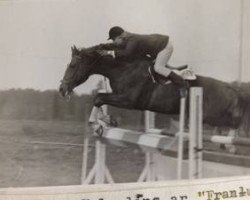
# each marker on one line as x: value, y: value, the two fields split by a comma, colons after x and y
x: 109, y: 46
x: 128, y: 50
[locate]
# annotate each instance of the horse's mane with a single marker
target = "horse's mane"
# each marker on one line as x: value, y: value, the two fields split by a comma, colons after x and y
x: 103, y: 54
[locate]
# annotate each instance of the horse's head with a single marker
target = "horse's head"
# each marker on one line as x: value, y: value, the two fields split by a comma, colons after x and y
x: 78, y: 70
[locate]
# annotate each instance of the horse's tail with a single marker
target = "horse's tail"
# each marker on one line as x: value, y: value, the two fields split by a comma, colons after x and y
x: 245, y: 111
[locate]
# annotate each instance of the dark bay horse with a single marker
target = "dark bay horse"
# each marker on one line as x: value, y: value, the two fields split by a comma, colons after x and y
x: 224, y: 105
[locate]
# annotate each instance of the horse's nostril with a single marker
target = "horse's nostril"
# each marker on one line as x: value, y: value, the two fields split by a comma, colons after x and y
x: 61, y: 90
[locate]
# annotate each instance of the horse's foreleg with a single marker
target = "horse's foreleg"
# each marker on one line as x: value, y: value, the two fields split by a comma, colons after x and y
x: 107, y: 99
x: 231, y: 147
x: 116, y: 100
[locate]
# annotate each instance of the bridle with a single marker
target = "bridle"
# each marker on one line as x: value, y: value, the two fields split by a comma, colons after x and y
x: 68, y: 96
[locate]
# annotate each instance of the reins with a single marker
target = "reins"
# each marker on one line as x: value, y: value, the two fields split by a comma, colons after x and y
x: 68, y: 82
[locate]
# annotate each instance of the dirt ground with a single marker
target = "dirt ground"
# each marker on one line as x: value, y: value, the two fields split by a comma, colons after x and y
x: 27, y: 157
x: 50, y: 153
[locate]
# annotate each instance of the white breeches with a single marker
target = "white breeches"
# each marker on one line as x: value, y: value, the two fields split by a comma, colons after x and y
x: 162, y: 60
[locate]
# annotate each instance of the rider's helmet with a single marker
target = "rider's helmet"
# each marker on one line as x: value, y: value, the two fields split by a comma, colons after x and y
x: 114, y: 32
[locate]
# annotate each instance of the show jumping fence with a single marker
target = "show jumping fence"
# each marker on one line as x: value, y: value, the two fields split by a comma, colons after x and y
x: 154, y: 143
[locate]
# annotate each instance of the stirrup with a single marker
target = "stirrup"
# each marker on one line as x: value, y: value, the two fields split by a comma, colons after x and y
x: 179, y: 68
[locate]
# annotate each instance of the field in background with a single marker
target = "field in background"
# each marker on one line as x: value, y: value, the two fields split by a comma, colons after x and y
x: 28, y: 158
x: 31, y: 120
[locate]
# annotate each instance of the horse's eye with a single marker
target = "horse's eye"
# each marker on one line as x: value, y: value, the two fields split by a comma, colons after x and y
x: 72, y: 65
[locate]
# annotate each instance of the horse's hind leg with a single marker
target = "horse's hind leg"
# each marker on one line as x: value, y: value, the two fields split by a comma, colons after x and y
x: 98, y: 116
x: 231, y: 147
x: 104, y: 117
x: 97, y: 120
x: 94, y: 114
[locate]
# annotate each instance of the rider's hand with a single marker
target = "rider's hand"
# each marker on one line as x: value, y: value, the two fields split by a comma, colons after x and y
x: 100, y: 47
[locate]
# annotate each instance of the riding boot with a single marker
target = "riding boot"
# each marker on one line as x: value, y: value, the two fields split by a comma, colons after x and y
x: 179, y: 82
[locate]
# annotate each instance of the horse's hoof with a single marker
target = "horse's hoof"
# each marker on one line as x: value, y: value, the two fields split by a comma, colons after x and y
x: 96, y: 128
x: 231, y: 149
x: 109, y: 120
x: 90, y: 124
x: 223, y: 146
x: 99, y: 131
x: 113, y: 122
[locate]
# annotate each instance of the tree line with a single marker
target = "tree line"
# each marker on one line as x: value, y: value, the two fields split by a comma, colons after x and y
x: 30, y: 104
x: 42, y: 105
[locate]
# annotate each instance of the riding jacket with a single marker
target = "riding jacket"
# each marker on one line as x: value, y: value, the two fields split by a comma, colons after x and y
x: 135, y: 46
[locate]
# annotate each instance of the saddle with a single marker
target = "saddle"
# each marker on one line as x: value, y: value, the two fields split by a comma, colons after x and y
x: 182, y: 71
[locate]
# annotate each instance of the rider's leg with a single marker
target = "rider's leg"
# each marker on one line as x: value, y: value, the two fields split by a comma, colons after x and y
x: 162, y: 60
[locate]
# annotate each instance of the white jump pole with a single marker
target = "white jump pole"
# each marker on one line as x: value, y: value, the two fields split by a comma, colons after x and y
x: 199, y: 139
x: 180, y: 137
x: 149, y: 120
x: 195, y: 133
x: 100, y: 162
x: 85, y: 160
x: 99, y: 173
x: 148, y: 172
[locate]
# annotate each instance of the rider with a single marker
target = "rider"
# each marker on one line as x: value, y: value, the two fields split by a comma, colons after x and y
x: 132, y: 46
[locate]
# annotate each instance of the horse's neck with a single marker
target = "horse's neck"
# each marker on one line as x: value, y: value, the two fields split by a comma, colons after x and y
x: 111, y: 69
x: 121, y: 74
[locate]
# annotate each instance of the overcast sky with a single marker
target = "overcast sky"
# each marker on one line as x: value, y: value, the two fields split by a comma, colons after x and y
x: 36, y: 36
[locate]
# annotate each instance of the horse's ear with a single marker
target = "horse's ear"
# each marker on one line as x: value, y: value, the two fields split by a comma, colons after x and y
x: 74, y: 50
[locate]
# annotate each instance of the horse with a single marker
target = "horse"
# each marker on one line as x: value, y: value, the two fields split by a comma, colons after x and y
x: 224, y: 104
